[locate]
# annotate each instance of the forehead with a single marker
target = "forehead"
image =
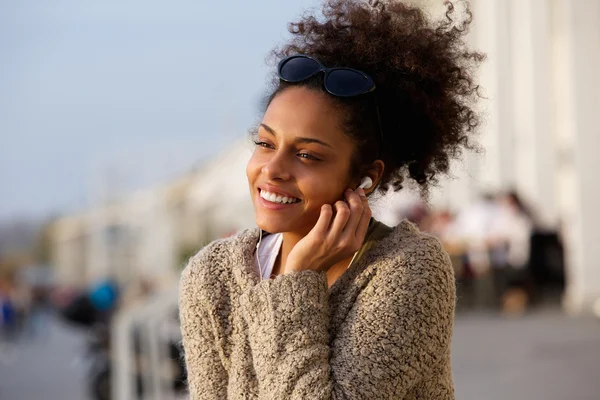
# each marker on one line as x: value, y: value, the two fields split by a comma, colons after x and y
x: 299, y: 111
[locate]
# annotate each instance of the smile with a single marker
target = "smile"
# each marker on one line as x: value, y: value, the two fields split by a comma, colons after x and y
x: 277, y: 198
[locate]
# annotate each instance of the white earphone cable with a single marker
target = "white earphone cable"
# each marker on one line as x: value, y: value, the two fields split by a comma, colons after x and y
x: 258, y: 256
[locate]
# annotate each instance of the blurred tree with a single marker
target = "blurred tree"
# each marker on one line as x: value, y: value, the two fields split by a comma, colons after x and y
x: 42, y: 247
x: 188, y: 250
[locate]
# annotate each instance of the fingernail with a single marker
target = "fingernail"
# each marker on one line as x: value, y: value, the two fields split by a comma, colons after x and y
x: 361, y: 192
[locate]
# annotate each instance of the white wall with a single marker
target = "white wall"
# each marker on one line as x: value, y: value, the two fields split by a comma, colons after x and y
x: 580, y: 108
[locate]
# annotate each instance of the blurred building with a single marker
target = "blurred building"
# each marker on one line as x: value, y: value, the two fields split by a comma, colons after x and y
x: 150, y: 233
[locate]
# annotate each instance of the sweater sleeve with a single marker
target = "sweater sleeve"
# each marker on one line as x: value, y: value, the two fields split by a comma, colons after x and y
x: 399, y: 334
x: 207, y: 379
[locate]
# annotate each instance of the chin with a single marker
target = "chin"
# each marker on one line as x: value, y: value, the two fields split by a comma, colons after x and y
x: 272, y: 225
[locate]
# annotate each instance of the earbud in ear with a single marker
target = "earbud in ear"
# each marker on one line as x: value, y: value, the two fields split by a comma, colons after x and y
x: 365, y: 183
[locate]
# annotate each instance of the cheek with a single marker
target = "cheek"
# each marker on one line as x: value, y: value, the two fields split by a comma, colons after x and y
x: 323, y: 190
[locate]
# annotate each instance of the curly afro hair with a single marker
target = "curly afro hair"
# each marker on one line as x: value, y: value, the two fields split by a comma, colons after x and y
x: 422, y: 70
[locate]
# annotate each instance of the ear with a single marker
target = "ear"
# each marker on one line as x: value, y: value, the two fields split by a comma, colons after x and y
x: 375, y: 172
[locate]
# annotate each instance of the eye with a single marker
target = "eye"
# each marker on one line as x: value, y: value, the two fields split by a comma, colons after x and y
x: 263, y: 144
x: 308, y: 156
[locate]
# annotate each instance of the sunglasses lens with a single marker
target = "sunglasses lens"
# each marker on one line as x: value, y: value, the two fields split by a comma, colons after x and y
x: 345, y: 83
x: 298, y: 69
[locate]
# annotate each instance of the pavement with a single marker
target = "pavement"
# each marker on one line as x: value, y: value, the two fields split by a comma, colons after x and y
x: 50, y: 365
x: 543, y: 355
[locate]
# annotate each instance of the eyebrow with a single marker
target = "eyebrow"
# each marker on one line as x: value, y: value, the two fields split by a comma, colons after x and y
x: 298, y: 139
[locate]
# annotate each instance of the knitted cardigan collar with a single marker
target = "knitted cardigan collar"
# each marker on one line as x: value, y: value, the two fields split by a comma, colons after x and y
x: 346, y: 288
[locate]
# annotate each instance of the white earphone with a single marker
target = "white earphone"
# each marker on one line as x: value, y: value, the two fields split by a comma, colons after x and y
x: 365, y: 183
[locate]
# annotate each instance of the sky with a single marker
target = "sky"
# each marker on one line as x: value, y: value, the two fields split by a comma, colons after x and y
x: 129, y: 92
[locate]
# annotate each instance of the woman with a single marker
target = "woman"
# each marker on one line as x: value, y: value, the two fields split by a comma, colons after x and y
x: 509, y: 240
x: 334, y: 304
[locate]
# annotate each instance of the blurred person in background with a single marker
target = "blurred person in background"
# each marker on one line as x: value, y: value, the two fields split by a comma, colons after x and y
x: 322, y: 301
x: 14, y: 309
x: 509, y: 240
x: 467, y: 236
x: 23, y: 300
x: 441, y: 224
x: 8, y: 322
x: 93, y: 310
x: 8, y: 313
x: 471, y: 229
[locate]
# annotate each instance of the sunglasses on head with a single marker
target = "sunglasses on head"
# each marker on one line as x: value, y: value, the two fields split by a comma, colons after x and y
x: 338, y: 81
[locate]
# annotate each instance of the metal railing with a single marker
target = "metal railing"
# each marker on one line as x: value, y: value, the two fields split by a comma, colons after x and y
x: 141, y: 356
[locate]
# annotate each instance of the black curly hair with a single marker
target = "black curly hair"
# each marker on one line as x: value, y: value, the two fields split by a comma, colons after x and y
x: 423, y: 74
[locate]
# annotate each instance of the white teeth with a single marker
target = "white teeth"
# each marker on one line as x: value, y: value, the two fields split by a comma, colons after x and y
x: 277, y: 198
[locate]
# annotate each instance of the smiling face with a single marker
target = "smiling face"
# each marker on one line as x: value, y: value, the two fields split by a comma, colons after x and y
x: 302, y: 154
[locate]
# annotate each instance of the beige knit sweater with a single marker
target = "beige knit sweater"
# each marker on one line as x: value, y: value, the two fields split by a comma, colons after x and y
x: 382, y: 331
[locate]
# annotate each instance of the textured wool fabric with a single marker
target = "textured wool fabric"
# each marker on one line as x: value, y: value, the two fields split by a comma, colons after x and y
x: 381, y: 331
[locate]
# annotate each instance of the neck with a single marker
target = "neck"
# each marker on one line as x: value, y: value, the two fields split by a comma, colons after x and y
x: 289, y: 241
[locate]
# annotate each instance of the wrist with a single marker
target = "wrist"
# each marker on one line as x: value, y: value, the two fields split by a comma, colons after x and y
x: 290, y: 269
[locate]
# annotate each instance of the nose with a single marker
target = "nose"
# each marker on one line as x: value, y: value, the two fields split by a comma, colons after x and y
x: 277, y: 167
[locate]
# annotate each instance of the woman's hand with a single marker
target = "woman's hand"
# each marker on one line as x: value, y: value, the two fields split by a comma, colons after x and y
x: 331, y: 242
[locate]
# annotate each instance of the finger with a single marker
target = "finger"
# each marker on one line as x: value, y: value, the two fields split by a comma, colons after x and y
x: 363, y: 224
x: 342, y: 213
x: 363, y: 198
x: 356, y: 210
x: 324, y: 220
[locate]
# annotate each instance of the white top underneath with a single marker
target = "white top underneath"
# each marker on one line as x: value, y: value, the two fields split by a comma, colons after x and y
x: 267, y: 254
